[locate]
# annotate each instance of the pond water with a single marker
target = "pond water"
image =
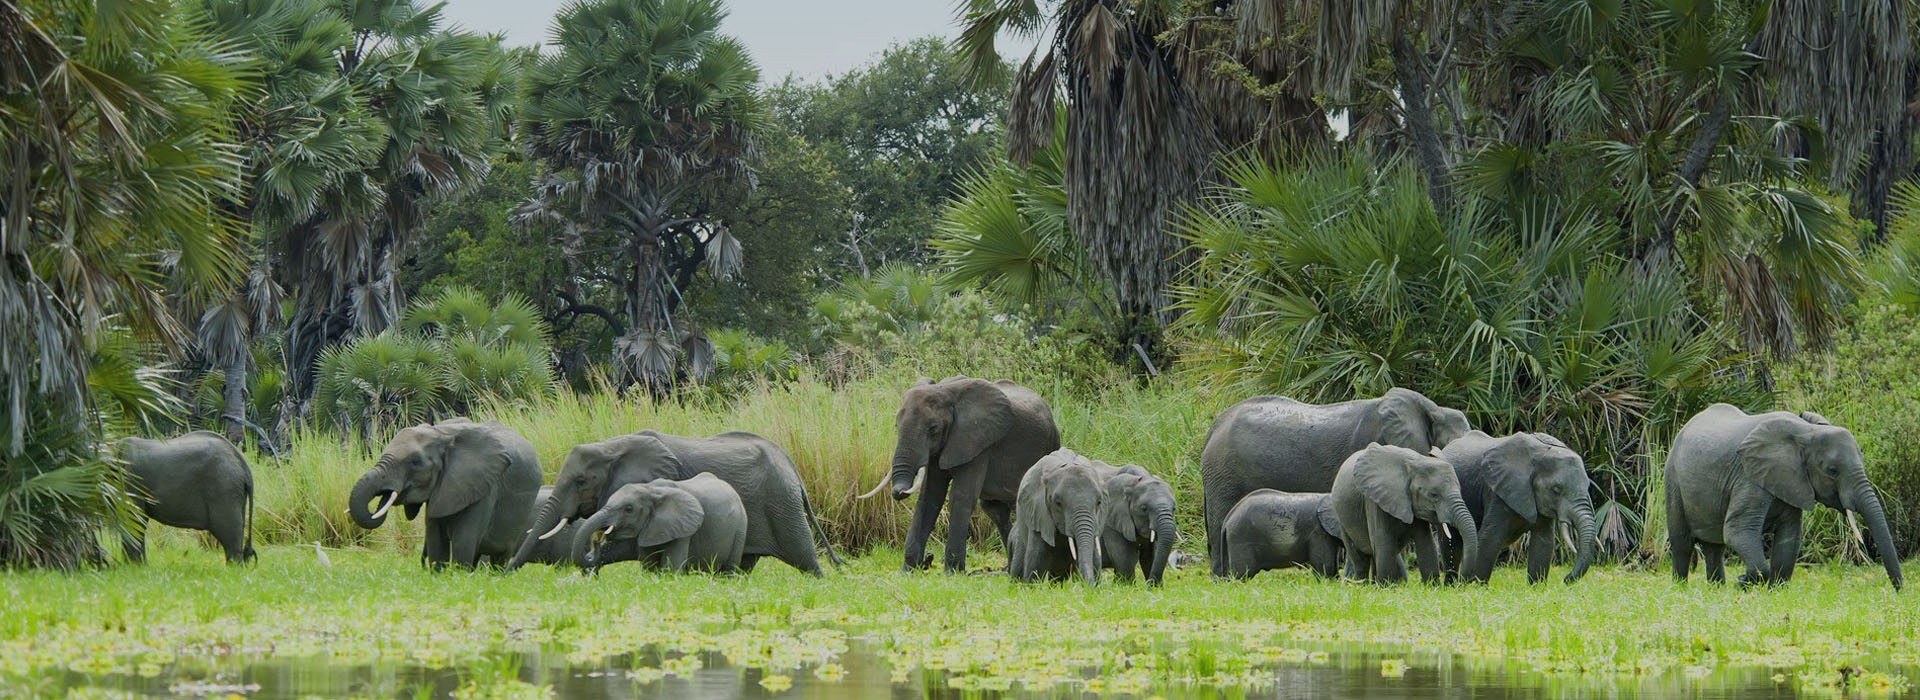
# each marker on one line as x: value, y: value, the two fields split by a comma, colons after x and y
x: 1346, y: 672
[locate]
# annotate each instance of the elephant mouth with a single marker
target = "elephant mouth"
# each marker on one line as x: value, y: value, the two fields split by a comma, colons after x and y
x: 386, y: 498
x: 903, y: 487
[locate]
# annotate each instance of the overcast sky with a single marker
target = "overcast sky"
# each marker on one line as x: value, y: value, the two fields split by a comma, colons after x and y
x: 812, y: 38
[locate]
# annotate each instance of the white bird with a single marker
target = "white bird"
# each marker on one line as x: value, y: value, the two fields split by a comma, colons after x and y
x: 322, y: 554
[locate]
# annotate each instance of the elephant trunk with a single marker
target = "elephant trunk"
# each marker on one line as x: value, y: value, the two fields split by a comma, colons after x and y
x: 584, y: 551
x: 378, y: 481
x: 1086, y: 537
x: 1469, y: 534
x: 1583, y: 529
x: 1868, y: 506
x: 1163, y: 536
x: 909, y: 458
x: 546, y: 521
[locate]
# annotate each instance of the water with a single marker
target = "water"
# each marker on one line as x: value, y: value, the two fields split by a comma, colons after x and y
x: 1349, y: 672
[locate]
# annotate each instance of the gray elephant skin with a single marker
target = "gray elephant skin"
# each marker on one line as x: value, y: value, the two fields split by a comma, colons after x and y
x: 962, y: 442
x: 698, y: 524
x: 558, y: 550
x: 1734, y: 478
x: 1523, y: 483
x: 1273, y: 442
x: 477, y: 482
x: 1271, y: 529
x: 1136, y: 519
x: 197, y: 481
x: 1056, y: 523
x: 1387, y: 497
x: 780, y: 520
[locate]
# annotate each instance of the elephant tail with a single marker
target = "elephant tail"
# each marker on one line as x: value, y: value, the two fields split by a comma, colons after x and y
x: 249, y: 546
x: 806, y: 504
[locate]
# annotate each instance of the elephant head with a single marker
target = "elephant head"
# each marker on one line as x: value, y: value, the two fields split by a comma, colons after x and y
x: 944, y: 425
x: 1412, y: 420
x: 589, y: 475
x: 1137, y: 504
x: 1411, y: 486
x: 1061, y: 495
x: 1803, y: 462
x: 446, y: 467
x: 1536, y: 476
x: 646, y: 515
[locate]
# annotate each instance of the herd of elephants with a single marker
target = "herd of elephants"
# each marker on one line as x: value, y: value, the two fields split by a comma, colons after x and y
x: 1284, y: 483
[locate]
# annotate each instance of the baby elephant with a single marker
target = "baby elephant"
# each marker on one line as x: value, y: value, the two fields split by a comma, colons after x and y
x: 196, y: 481
x: 1056, y: 519
x: 1388, y: 497
x: 1276, y: 529
x: 558, y: 550
x: 699, y: 523
x: 1137, y: 523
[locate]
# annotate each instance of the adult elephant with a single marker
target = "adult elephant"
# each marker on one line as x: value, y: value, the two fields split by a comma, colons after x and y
x: 1273, y: 442
x: 477, y: 481
x: 961, y: 442
x: 1734, y: 477
x: 197, y: 481
x: 780, y: 520
x: 1522, y: 483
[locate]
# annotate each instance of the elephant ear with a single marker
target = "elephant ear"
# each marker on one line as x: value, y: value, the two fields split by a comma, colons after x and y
x: 1329, y: 521
x: 471, y: 462
x: 1116, y: 505
x: 1814, y: 418
x: 1509, y: 469
x: 1402, y: 422
x: 1030, y: 504
x: 1382, y: 473
x: 981, y: 416
x: 647, y: 457
x: 676, y: 514
x: 1771, y: 456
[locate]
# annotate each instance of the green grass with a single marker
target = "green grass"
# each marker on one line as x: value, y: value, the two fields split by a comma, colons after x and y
x: 380, y: 608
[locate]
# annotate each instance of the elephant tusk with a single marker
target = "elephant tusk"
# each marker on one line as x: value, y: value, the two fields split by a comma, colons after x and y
x: 1566, y: 535
x: 1855, y: 527
x: 1150, y: 535
x: 382, y: 512
x: 607, y: 532
x: 918, y: 479
x: 1447, y: 531
x: 556, y: 528
x: 1072, y: 550
x: 877, y: 488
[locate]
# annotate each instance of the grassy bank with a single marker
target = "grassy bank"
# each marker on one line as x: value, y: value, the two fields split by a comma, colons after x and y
x: 380, y: 608
x: 840, y: 438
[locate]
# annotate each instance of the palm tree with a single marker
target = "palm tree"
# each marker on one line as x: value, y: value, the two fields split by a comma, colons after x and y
x: 119, y: 180
x: 440, y: 101
x: 644, y: 122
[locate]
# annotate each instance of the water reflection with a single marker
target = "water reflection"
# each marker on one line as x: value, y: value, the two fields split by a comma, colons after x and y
x: 1349, y: 673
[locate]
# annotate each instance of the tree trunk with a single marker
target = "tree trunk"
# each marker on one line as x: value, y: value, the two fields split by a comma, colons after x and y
x: 235, y: 404
x: 1416, y: 97
x: 1890, y: 161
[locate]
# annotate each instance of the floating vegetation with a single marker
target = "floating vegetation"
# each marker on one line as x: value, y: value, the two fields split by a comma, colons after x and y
x: 1835, y: 630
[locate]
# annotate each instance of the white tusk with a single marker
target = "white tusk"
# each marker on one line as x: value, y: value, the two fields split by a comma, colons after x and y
x: 1855, y: 527
x: 1150, y: 535
x: 918, y: 479
x: 1072, y: 550
x: 556, y: 528
x: 378, y: 514
x: 1444, y: 530
x: 1566, y: 535
x: 607, y: 532
x: 877, y: 488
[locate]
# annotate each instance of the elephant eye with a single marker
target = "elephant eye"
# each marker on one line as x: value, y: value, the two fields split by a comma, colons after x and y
x: 1833, y: 471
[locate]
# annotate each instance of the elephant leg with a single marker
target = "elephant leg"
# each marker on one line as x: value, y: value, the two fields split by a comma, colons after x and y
x: 1425, y: 554
x: 1713, y: 558
x: 229, y: 527
x: 435, y: 548
x: 1679, y: 533
x: 1539, y: 551
x: 1387, y: 564
x: 793, y: 542
x: 1119, y: 553
x: 1494, y: 526
x: 1218, y: 500
x: 134, y: 544
x: 1323, y: 556
x: 1745, y: 524
x: 677, y: 555
x: 933, y: 494
x: 747, y: 561
x: 1358, y: 568
x: 1786, y: 546
x: 1001, y: 513
x: 964, y: 493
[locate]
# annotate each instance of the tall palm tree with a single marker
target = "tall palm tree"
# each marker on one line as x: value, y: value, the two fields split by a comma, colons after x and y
x: 441, y: 101
x: 644, y: 122
x: 118, y: 180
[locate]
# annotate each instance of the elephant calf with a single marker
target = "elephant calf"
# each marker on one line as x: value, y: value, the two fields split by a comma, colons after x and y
x: 558, y: 550
x: 196, y: 481
x: 1136, y: 519
x: 1733, y: 477
x: 1276, y: 529
x: 1387, y: 497
x: 1523, y: 483
x: 699, y: 524
x: 1056, y: 519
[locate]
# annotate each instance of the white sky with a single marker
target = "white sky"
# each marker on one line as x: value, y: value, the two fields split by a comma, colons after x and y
x: 809, y: 37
